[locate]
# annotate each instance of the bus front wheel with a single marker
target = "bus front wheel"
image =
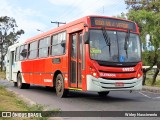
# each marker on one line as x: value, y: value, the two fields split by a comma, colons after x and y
x: 60, y: 90
x: 21, y: 85
x: 103, y: 94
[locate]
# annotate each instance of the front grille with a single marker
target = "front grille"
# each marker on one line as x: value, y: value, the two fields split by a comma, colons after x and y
x: 117, y: 87
x: 117, y: 72
x: 114, y: 83
x: 118, y: 78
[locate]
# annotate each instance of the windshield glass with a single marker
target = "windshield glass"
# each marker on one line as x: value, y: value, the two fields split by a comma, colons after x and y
x: 110, y: 46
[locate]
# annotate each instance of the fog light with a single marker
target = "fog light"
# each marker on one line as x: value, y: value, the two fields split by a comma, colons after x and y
x: 139, y: 75
x: 94, y: 74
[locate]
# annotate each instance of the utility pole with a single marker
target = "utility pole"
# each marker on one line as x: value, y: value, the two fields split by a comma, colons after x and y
x: 58, y: 23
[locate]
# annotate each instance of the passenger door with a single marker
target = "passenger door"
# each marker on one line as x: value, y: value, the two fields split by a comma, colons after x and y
x: 76, y: 60
x: 9, y: 65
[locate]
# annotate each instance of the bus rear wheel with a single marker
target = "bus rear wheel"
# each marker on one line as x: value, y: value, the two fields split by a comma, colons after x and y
x: 15, y: 84
x: 103, y: 94
x: 60, y: 90
x: 21, y: 85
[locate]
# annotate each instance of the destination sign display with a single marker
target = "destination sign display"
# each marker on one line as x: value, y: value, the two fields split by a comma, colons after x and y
x: 109, y: 22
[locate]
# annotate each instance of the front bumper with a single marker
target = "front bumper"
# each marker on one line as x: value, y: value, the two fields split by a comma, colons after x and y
x: 100, y: 84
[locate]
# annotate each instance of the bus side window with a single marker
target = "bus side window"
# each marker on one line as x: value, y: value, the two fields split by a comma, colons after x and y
x: 17, y: 54
x: 58, y: 44
x: 23, y: 52
x: 74, y: 55
x: 44, y: 47
x: 63, y: 44
x: 32, y: 51
x: 12, y: 60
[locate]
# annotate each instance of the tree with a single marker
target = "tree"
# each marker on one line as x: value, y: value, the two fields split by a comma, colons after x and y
x: 147, y: 14
x: 8, y: 34
x: 123, y: 16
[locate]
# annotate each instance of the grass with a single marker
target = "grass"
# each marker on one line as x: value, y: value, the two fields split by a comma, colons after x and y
x: 149, y: 82
x: 10, y: 102
x: 149, y: 78
x: 3, y: 75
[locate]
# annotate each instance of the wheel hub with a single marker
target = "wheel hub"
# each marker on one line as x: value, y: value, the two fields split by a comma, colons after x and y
x: 59, y: 85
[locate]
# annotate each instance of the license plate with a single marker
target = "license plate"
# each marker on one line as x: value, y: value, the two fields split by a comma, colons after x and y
x: 119, y: 84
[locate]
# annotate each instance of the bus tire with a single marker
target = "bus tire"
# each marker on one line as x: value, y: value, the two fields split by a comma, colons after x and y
x: 60, y: 90
x: 26, y: 85
x: 15, y: 84
x: 21, y: 85
x: 103, y: 94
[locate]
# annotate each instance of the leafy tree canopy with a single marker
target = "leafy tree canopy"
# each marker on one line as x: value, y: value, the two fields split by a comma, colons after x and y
x: 8, y: 34
x: 147, y: 14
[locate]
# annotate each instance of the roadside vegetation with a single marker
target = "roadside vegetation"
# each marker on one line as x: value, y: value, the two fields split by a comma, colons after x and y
x: 149, y: 82
x: 3, y: 75
x: 10, y: 102
x: 146, y: 13
x: 149, y: 78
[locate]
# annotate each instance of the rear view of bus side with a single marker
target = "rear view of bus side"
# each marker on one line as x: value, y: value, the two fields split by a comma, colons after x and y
x: 93, y: 53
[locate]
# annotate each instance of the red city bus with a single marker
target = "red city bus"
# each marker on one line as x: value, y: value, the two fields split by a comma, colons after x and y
x: 93, y: 53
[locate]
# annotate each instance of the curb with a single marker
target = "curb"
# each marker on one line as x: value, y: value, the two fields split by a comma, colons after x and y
x: 30, y: 103
x: 26, y: 100
x: 151, y: 89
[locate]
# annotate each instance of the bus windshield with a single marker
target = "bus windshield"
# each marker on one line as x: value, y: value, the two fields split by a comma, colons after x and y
x: 110, y: 46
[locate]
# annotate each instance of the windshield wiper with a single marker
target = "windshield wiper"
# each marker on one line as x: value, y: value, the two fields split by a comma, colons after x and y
x: 127, y: 42
x: 107, y: 39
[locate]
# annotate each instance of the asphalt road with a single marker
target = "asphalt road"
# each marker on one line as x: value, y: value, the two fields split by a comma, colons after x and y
x: 90, y: 101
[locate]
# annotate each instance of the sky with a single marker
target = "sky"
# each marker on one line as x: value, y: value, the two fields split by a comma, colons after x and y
x: 31, y: 15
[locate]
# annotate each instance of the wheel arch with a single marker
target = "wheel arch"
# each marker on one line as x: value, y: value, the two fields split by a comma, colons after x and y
x: 55, y: 75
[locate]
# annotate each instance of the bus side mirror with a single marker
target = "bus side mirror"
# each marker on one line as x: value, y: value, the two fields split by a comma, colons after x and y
x: 86, y: 37
x: 63, y: 43
x: 24, y: 53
